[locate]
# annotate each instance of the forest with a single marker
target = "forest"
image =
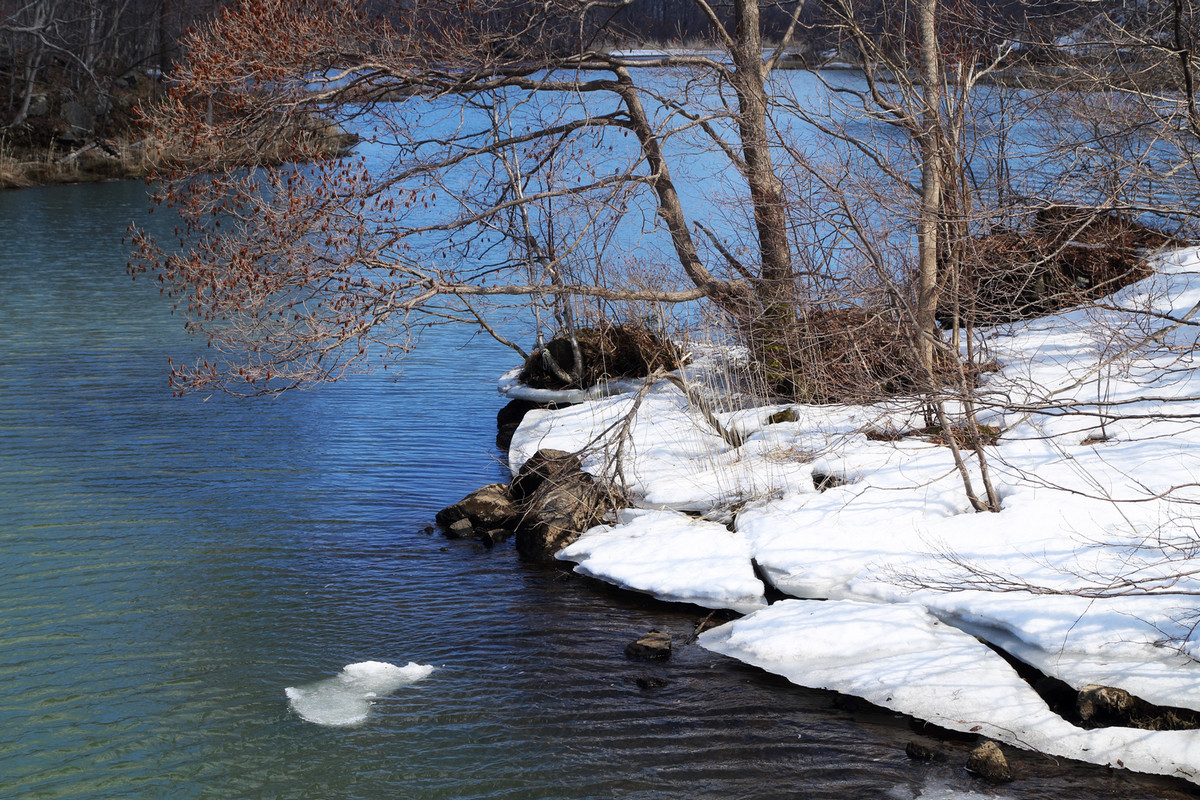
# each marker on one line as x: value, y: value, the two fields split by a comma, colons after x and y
x: 72, y: 70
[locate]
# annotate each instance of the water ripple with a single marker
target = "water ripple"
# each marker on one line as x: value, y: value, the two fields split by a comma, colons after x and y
x: 168, y: 566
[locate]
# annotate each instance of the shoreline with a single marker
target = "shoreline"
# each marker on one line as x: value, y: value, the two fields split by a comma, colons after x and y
x: 129, y: 157
x: 873, y: 527
x: 96, y: 162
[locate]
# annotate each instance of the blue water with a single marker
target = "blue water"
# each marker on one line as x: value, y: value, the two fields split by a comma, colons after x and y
x: 169, y: 566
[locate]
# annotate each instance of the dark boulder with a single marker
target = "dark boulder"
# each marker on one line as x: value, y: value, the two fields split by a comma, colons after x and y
x: 460, y: 529
x: 39, y: 105
x: 508, y: 419
x: 1105, y: 705
x: 78, y: 122
x: 549, y: 503
x: 787, y: 415
x: 515, y: 411
x: 494, y: 536
x: 654, y: 646
x: 483, y: 509
x: 920, y: 751
x: 988, y: 762
x: 1108, y: 706
x: 557, y: 512
x: 651, y: 682
x: 618, y: 351
x: 544, y: 465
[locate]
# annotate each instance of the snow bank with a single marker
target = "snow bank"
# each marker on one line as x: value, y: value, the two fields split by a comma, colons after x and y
x: 672, y: 557
x: 901, y: 657
x: 1087, y: 573
x: 345, y: 699
x: 510, y: 385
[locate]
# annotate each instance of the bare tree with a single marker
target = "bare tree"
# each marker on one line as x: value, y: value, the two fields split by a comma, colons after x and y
x: 514, y: 152
x: 525, y: 91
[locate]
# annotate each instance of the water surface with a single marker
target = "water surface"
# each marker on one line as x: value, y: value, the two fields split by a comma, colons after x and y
x: 168, y: 567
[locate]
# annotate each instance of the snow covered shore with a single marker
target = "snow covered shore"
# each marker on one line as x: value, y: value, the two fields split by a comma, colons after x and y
x: 1090, y: 572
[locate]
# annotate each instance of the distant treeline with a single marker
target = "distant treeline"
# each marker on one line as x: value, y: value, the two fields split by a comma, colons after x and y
x: 64, y: 63
x: 72, y: 69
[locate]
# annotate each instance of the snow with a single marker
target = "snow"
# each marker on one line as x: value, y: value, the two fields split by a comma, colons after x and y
x: 673, y: 557
x: 899, y: 656
x: 345, y: 699
x: 510, y: 385
x: 1087, y: 573
x: 935, y: 790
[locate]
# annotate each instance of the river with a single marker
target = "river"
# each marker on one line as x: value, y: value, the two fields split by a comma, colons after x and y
x: 169, y: 566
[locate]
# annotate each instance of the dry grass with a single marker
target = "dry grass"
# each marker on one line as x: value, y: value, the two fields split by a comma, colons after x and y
x: 1068, y: 257
x: 839, y: 355
x: 97, y: 161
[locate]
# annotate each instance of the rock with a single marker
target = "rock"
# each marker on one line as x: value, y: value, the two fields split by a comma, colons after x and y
x: 654, y: 646
x: 557, y: 512
x: 988, y: 762
x: 508, y: 419
x: 485, y: 509
x: 549, y: 504
x: 515, y: 411
x: 79, y: 122
x: 923, y: 752
x: 787, y: 415
x: 544, y: 465
x: 1105, y: 705
x: 651, y: 682
x: 39, y: 105
x: 619, y: 351
x: 823, y: 481
x: 494, y: 536
x: 504, y: 436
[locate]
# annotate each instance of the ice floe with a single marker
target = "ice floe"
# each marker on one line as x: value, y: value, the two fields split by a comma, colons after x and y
x: 345, y: 699
x: 934, y: 790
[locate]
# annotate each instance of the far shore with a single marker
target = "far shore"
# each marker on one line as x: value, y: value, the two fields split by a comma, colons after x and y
x: 95, y: 162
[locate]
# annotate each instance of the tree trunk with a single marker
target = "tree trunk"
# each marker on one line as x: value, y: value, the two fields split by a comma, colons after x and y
x: 929, y: 218
x: 774, y: 330
x: 766, y: 190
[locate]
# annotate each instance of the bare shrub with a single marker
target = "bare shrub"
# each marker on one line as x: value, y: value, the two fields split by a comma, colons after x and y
x: 1068, y: 257
x: 611, y: 351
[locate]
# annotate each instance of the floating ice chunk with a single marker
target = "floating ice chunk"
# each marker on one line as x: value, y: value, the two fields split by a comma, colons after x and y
x: 345, y: 699
x: 672, y: 557
x: 901, y: 657
x: 936, y: 790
